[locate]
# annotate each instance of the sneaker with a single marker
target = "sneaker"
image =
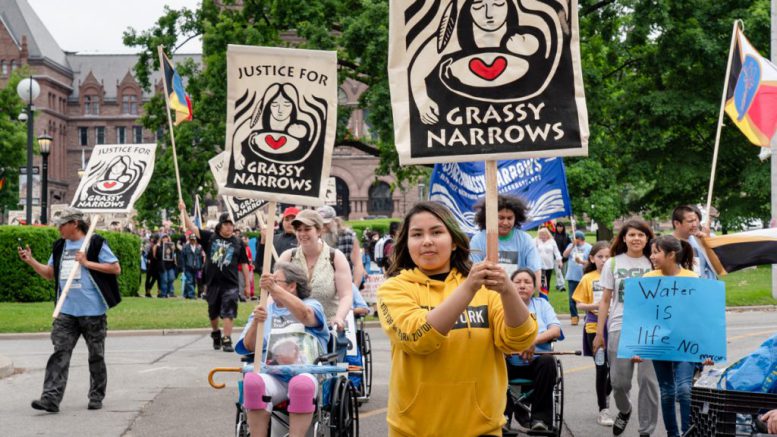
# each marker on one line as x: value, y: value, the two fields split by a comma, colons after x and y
x: 604, y: 418
x: 538, y: 425
x: 575, y: 320
x: 45, y: 405
x: 94, y: 405
x: 216, y: 336
x: 619, y: 425
x: 226, y: 344
x: 523, y: 419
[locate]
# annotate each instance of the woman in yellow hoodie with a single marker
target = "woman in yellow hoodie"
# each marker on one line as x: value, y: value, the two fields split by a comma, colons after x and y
x: 450, y: 324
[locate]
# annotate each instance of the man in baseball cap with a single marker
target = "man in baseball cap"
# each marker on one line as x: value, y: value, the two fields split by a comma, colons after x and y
x: 336, y: 234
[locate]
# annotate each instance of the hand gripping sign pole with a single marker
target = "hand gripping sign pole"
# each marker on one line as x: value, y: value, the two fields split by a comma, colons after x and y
x: 71, y: 276
x: 266, y: 263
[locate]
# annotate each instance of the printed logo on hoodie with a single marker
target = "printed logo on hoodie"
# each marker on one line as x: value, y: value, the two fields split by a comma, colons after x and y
x: 478, y: 318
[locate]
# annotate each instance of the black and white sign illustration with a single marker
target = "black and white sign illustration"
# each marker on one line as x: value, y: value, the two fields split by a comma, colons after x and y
x: 239, y: 207
x: 281, y: 121
x: 116, y: 176
x: 486, y: 79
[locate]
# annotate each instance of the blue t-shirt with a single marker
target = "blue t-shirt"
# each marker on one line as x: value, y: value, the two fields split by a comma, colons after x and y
x: 84, y: 298
x: 546, y: 317
x: 575, y: 270
x: 516, y: 250
x: 281, y: 319
x: 702, y: 265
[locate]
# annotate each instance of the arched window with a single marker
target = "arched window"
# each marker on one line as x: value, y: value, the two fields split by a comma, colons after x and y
x: 129, y: 104
x: 13, y: 66
x: 343, y: 206
x: 91, y: 105
x: 380, y: 201
x: 3, y: 68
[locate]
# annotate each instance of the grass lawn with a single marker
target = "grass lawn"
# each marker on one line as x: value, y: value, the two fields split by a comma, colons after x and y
x: 747, y: 287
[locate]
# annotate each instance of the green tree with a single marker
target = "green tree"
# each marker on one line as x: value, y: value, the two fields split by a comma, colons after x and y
x: 13, y: 141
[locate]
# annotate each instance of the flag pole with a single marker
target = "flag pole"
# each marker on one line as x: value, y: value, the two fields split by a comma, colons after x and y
x: 720, y: 121
x: 774, y: 146
x: 170, y: 124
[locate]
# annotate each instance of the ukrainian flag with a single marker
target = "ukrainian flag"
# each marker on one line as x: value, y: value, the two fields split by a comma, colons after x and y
x: 177, y: 98
x: 751, y: 96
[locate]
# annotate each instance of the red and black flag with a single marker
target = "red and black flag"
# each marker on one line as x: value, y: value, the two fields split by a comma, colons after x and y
x: 732, y: 252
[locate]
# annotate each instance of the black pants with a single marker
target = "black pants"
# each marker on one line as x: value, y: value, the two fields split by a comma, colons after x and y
x: 65, y: 331
x: 151, y: 278
x: 542, y: 371
x: 603, y: 386
x: 546, y: 279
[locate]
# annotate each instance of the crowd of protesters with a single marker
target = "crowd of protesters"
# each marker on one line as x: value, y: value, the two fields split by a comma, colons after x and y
x: 429, y: 299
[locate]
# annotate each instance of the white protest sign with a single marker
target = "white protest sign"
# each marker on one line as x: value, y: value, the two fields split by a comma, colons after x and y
x: 116, y: 176
x: 281, y: 121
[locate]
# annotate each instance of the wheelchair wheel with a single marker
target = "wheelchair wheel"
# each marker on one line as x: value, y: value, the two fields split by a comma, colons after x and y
x: 558, y: 400
x: 367, y: 357
x: 345, y: 413
x: 241, y: 422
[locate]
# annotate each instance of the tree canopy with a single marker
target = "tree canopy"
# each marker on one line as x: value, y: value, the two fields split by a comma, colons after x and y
x: 13, y: 140
x: 653, y: 73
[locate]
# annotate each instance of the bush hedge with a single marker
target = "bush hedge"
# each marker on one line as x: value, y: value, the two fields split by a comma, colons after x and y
x: 21, y: 284
x: 380, y: 225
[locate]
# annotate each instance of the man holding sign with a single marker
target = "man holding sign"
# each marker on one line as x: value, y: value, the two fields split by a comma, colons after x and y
x: 94, y: 289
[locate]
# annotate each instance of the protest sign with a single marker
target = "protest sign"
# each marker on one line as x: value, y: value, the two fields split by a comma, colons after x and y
x: 281, y: 121
x: 540, y: 182
x: 484, y: 82
x: 238, y: 207
x: 116, y: 176
x: 674, y: 318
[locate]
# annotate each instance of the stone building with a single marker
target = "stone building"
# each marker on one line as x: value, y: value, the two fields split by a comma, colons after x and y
x: 89, y: 99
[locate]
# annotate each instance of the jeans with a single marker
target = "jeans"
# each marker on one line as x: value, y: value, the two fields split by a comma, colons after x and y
x: 65, y: 331
x: 190, y: 280
x: 572, y: 303
x: 167, y: 283
x: 674, y: 380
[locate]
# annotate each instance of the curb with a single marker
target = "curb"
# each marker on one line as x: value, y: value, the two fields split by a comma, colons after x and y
x: 138, y: 333
x: 6, y: 367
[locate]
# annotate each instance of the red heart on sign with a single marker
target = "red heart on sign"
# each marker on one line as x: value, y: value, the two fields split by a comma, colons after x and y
x: 273, y: 143
x: 109, y: 184
x: 488, y: 71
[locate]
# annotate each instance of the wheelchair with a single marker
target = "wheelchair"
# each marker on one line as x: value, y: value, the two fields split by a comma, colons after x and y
x: 336, y: 413
x: 520, y: 391
x: 363, y: 382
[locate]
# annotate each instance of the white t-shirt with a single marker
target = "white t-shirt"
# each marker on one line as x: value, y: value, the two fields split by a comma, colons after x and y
x: 612, y: 278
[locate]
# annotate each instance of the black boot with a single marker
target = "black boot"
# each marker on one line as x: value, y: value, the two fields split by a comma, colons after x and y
x: 226, y: 344
x: 216, y: 336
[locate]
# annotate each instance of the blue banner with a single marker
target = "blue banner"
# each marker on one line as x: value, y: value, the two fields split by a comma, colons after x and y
x: 674, y: 318
x: 542, y: 183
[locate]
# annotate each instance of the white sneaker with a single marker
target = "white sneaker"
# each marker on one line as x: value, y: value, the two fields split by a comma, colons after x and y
x: 604, y: 418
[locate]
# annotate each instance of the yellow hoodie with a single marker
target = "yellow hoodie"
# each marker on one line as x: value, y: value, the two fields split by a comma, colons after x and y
x: 446, y: 385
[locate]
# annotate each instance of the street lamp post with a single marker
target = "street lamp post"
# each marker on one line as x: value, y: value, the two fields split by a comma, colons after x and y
x: 44, y: 142
x: 28, y: 89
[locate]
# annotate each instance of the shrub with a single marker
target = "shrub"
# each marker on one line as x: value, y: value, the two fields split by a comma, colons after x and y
x: 380, y: 225
x: 21, y: 284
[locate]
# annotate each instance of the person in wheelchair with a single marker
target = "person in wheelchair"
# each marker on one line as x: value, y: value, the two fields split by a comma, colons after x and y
x: 540, y: 369
x: 295, y: 332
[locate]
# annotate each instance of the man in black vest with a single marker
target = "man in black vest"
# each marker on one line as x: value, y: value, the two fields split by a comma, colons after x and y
x: 224, y: 251
x: 95, y: 288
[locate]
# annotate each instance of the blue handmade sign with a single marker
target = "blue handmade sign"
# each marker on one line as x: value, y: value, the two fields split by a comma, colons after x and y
x: 674, y: 318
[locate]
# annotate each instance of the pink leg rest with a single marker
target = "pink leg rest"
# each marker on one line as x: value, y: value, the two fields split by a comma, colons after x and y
x: 302, y: 394
x: 253, y: 392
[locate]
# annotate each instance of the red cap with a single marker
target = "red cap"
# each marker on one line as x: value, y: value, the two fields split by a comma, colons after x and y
x: 290, y: 211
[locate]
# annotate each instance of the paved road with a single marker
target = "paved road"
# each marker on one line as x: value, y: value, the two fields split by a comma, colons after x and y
x: 157, y: 385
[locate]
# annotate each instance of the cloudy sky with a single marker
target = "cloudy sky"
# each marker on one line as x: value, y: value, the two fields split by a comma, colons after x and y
x: 96, y: 26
